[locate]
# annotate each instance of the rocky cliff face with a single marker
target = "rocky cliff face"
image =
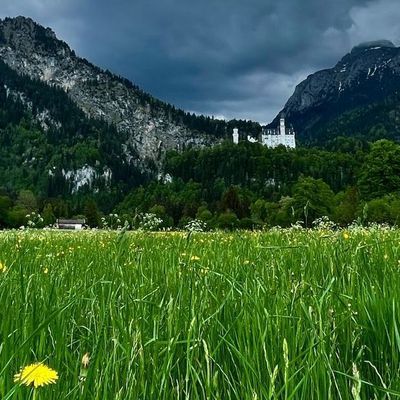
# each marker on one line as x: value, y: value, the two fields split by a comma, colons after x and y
x: 31, y: 49
x: 369, y: 74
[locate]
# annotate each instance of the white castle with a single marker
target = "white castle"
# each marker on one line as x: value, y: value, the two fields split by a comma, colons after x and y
x: 282, y: 135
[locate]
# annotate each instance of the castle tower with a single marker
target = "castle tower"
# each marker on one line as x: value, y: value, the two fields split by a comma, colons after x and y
x: 235, y: 135
x: 282, y: 129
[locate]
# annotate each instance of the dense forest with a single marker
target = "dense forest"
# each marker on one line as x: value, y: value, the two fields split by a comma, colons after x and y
x: 244, y: 186
x: 250, y: 185
x: 378, y: 120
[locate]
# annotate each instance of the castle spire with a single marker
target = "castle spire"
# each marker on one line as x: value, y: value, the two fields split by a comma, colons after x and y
x: 282, y: 128
x: 235, y: 135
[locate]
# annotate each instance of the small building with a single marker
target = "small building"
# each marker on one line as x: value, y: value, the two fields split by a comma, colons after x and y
x: 282, y: 135
x: 71, y: 224
x: 251, y: 139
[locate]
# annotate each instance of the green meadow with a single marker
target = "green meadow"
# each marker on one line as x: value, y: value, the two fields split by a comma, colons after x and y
x: 281, y: 314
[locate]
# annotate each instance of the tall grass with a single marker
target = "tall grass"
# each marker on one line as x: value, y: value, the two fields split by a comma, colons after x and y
x: 284, y: 314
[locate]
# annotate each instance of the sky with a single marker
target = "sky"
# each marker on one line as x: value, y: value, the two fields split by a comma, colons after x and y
x: 228, y: 58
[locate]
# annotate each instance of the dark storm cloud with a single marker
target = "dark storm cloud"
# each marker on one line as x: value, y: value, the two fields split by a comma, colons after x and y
x: 232, y: 58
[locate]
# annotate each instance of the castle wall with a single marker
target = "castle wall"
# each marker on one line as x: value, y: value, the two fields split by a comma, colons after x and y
x: 272, y: 137
x: 276, y: 140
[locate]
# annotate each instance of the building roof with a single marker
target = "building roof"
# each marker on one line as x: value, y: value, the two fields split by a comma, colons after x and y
x: 70, y: 221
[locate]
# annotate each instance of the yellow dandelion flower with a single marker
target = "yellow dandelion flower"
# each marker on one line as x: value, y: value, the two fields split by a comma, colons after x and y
x: 346, y: 235
x: 46, y: 271
x: 194, y: 258
x: 37, y: 375
x: 3, y: 268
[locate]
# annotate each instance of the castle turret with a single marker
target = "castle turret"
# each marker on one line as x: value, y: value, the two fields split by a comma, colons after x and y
x: 282, y: 129
x: 282, y: 135
x: 235, y: 135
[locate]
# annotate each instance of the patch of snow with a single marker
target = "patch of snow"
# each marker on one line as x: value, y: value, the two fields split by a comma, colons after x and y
x: 373, y: 72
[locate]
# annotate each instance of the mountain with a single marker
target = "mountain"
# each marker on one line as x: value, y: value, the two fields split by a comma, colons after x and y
x: 35, y: 51
x: 67, y: 126
x: 358, y: 97
x: 151, y: 127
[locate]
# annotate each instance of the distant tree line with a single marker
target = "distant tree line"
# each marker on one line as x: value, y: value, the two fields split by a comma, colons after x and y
x: 250, y: 185
x: 243, y: 186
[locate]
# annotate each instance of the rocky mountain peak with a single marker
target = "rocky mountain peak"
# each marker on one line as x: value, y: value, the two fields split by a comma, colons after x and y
x: 368, y: 74
x: 26, y: 27
x: 370, y: 53
x: 24, y: 34
x: 148, y: 125
x: 373, y: 45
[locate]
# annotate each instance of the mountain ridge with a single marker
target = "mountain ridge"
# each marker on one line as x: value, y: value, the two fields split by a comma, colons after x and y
x: 366, y: 76
x: 153, y: 127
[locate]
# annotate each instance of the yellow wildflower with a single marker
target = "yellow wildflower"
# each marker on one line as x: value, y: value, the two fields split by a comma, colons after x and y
x: 203, y: 271
x: 194, y: 258
x: 346, y: 235
x: 84, y: 368
x: 37, y: 375
x: 85, y: 360
x: 3, y: 268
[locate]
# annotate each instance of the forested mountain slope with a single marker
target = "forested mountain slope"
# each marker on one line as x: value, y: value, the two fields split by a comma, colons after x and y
x: 145, y: 124
x: 358, y: 97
